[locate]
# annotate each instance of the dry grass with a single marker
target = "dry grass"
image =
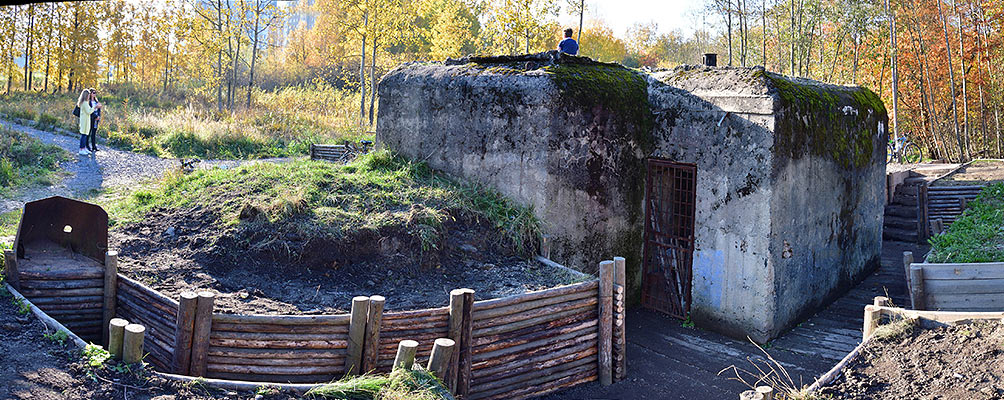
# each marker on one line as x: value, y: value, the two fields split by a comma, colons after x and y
x: 278, y: 124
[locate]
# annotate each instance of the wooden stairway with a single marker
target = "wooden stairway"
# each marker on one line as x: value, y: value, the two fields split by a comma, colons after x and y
x: 901, y: 215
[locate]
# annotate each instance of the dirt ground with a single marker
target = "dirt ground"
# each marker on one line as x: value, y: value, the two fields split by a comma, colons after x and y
x: 301, y: 273
x: 958, y: 362
x: 977, y: 173
x: 33, y: 367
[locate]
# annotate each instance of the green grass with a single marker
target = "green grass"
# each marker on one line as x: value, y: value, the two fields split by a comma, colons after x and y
x: 416, y: 384
x: 378, y: 192
x: 8, y: 223
x: 978, y: 235
x: 279, y: 123
x: 25, y: 161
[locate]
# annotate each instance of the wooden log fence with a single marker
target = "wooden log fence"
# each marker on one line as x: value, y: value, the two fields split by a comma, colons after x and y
x: 506, y: 348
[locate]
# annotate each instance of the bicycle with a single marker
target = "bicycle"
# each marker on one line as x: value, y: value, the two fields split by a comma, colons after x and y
x: 903, y: 151
x: 352, y: 151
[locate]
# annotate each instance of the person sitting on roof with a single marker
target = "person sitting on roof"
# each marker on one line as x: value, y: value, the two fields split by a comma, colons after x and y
x: 568, y: 45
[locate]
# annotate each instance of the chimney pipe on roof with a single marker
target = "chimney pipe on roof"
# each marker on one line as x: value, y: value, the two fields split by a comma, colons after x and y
x: 710, y: 59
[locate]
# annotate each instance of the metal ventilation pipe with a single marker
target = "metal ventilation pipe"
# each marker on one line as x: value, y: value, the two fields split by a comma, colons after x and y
x: 710, y: 59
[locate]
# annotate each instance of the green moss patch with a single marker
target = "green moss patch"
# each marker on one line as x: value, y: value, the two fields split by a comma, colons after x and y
x: 977, y: 235
x: 813, y: 121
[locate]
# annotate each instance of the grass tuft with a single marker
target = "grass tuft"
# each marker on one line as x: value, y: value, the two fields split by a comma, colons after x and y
x: 26, y: 161
x: 416, y: 384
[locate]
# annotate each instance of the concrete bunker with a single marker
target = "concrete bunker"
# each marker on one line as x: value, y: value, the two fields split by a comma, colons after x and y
x: 785, y: 175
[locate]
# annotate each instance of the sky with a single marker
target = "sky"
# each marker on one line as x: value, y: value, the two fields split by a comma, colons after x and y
x: 670, y: 15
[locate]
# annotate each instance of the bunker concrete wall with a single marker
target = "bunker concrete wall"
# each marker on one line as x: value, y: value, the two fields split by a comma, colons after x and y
x: 789, y: 175
x: 728, y: 136
x: 578, y: 165
x: 828, y: 201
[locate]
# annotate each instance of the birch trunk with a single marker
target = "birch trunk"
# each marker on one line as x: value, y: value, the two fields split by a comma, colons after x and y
x: 951, y: 78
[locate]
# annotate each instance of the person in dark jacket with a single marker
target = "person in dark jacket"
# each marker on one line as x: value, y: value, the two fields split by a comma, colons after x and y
x: 95, y: 118
x: 568, y: 45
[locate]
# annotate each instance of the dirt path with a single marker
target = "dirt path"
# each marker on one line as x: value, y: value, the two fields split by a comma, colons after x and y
x: 86, y: 176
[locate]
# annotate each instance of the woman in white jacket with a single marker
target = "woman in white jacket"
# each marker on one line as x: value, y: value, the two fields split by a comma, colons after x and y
x: 85, y: 120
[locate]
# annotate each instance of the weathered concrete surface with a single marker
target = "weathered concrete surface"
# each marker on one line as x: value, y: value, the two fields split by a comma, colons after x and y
x: 578, y: 161
x: 790, y: 174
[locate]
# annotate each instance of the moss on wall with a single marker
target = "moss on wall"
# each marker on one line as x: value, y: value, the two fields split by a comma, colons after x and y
x: 615, y: 88
x: 814, y: 121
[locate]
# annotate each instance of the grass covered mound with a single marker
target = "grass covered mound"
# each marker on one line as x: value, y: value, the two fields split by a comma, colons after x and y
x: 978, y: 234
x: 379, y: 193
x: 26, y: 161
x: 304, y: 237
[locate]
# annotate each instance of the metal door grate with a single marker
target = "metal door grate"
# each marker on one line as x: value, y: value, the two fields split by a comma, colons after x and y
x: 670, y: 205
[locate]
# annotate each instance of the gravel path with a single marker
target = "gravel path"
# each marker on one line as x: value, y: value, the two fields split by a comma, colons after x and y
x: 86, y: 176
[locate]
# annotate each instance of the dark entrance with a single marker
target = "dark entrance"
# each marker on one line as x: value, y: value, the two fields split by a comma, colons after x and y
x: 670, y: 204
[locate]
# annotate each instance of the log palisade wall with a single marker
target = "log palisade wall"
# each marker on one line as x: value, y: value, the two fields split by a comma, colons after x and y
x: 139, y: 304
x: 947, y: 202
x: 507, y: 348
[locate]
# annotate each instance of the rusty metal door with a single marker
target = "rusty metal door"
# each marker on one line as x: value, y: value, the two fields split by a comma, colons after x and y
x: 670, y: 205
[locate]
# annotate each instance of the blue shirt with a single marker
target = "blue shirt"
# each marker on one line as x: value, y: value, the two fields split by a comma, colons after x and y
x: 569, y: 45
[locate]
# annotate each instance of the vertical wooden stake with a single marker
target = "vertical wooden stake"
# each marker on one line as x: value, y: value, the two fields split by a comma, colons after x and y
x: 466, y: 328
x: 439, y: 360
x: 619, y: 322
x: 357, y: 334
x: 456, y: 330
x: 110, y: 291
x: 881, y: 301
x: 907, y: 260
x: 545, y: 246
x: 185, y: 322
x: 917, y: 295
x: 116, y: 334
x: 132, y: 343
x: 938, y: 226
x: 405, y: 358
x: 371, y: 342
x: 872, y: 315
x: 766, y: 392
x: 604, y: 325
x: 10, y: 269
x: 200, y: 334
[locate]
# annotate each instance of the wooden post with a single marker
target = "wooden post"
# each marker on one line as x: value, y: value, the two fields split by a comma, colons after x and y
x: 882, y: 301
x: 10, y: 269
x: 357, y: 334
x: 200, y: 333
x: 872, y: 314
x: 938, y: 226
x: 439, y: 360
x: 917, y: 295
x: 185, y: 326
x: 455, y: 332
x: 907, y: 260
x: 545, y: 246
x: 371, y: 341
x: 132, y: 343
x: 466, y: 328
x: 110, y: 290
x: 750, y: 395
x: 116, y: 333
x: 619, y: 323
x: 405, y: 358
x: 963, y: 203
x: 605, y: 324
x: 765, y: 392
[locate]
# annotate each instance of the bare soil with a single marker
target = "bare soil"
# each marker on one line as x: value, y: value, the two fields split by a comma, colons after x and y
x: 262, y: 268
x: 955, y: 362
x: 977, y: 173
x: 33, y: 367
